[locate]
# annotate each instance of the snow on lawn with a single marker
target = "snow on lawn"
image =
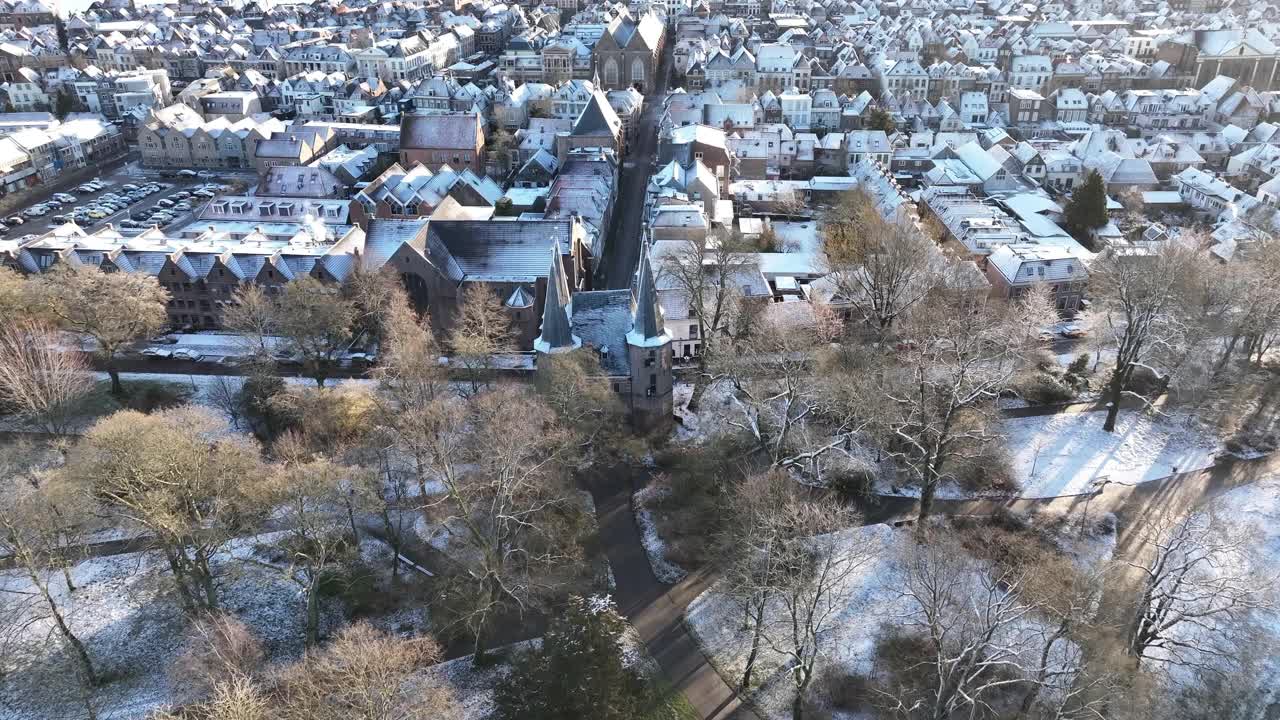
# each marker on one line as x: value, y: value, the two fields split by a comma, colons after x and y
x: 1064, y: 454
x: 471, y: 687
x: 124, y: 610
x: 664, y: 570
x: 1258, y: 505
x: 716, y: 621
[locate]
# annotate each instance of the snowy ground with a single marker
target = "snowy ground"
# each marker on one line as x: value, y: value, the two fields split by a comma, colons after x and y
x: 1255, y: 509
x: 866, y: 601
x: 716, y: 621
x: 471, y: 687
x: 1064, y: 454
x: 654, y: 547
x: 124, y: 610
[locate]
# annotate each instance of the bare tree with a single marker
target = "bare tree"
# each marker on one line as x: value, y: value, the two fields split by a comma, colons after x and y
x: 985, y: 646
x: 316, y: 324
x: 219, y: 650
x: 570, y: 384
x: 498, y: 457
x: 236, y: 699
x: 757, y: 515
x: 364, y: 674
x: 182, y: 475
x: 883, y: 268
x: 114, y: 309
x: 38, y: 380
x: 1252, y: 313
x: 409, y: 370
x: 1199, y: 584
x: 18, y: 296
x: 1143, y: 298
x: 481, y: 329
x: 315, y: 500
x: 707, y: 272
x: 772, y: 369
x: 941, y: 380
x: 33, y: 526
x: 374, y: 297
x: 252, y: 316
x: 812, y: 586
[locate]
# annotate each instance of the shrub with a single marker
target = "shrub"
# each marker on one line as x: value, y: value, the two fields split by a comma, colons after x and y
x: 842, y: 689
x: 149, y: 397
x: 1042, y: 388
x: 258, y: 397
x: 1080, y: 366
x: 988, y: 472
x: 854, y: 486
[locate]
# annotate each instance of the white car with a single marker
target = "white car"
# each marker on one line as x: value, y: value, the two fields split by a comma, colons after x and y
x: 156, y: 352
x: 184, y: 354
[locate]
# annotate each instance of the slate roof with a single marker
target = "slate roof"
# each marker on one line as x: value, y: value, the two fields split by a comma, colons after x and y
x: 598, y: 118
x: 513, y: 251
x: 440, y: 131
x: 386, y: 235
x: 601, y: 319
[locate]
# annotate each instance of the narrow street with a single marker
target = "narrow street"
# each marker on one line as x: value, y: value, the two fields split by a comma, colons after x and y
x: 621, y: 253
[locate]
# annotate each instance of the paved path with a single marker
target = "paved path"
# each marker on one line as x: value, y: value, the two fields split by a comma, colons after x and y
x: 656, y: 609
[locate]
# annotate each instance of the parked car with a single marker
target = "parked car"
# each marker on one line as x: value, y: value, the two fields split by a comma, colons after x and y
x: 156, y: 352
x: 4, y: 229
x: 185, y: 354
x: 187, y: 173
x: 165, y: 202
x: 14, y: 220
x: 164, y: 340
x: 1073, y: 331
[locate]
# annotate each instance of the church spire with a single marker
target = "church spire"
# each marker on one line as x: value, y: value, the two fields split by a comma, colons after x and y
x: 557, y: 332
x: 646, y: 322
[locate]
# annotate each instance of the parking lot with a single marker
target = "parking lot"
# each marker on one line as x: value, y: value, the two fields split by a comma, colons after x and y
x: 129, y: 198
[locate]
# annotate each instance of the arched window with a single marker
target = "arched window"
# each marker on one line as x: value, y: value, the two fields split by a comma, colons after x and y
x: 637, y: 70
x: 610, y: 72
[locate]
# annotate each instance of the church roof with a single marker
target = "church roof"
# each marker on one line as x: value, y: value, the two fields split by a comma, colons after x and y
x: 597, y: 118
x: 556, y: 332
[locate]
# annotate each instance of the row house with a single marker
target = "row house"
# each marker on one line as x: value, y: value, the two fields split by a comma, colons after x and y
x: 407, y: 58
x: 26, y: 92
x: 419, y: 191
x: 722, y: 68
x: 1154, y: 112
x: 780, y: 67
x: 443, y: 94
x: 177, y: 136
x: 1015, y: 270
x: 324, y: 59
x: 905, y: 77
x: 312, y: 94
x: 1030, y: 72
x: 87, y: 141
x: 1210, y: 194
x: 294, y: 145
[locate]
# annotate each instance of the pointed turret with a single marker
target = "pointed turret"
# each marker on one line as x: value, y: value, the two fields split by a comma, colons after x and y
x: 647, y: 329
x: 557, y: 333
